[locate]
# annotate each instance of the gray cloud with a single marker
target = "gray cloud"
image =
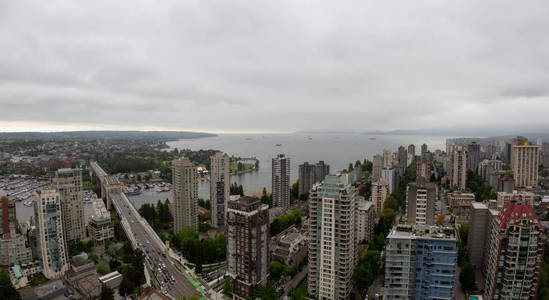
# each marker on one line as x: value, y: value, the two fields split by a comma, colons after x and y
x: 273, y: 65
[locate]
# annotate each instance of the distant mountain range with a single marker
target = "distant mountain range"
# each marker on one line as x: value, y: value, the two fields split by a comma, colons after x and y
x: 488, y: 131
x: 110, y: 135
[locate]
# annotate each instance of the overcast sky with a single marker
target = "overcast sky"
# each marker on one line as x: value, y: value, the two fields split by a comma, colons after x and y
x: 273, y: 66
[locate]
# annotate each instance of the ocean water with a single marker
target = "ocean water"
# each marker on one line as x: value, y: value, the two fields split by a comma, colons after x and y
x: 337, y: 150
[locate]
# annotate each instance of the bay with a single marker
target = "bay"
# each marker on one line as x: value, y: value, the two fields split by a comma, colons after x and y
x: 337, y: 150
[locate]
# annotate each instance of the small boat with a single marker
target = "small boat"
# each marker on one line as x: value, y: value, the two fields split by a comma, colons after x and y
x: 372, y: 138
x: 278, y: 145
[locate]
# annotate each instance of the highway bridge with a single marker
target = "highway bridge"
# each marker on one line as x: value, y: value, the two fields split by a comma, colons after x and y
x: 169, y: 275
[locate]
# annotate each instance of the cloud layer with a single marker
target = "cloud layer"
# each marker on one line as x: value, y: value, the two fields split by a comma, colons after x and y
x: 273, y: 66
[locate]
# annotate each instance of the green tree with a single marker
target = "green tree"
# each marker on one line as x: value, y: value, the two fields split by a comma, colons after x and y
x: 102, y: 269
x: 227, y: 287
x: 366, y: 270
x: 266, y: 293
x: 265, y: 198
x: 7, y: 290
x: 106, y: 294
x: 467, y: 277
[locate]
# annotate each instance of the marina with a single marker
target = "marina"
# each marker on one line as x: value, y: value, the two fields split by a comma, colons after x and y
x: 21, y: 188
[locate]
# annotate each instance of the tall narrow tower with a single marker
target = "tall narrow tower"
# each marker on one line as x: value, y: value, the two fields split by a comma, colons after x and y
x: 281, y: 181
x: 248, y: 254
x: 220, y: 164
x: 332, y: 247
x: 458, y: 168
x: 50, y: 238
x: 525, y: 162
x: 185, y: 194
x: 68, y: 183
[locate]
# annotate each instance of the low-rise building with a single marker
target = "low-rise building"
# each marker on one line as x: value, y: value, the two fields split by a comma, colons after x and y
x: 19, y: 274
x: 522, y: 196
x: 14, y: 250
x: 460, y: 204
x: 100, y: 225
x: 111, y: 280
x: 291, y: 249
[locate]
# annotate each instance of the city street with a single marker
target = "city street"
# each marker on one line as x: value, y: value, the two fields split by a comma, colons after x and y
x: 171, y: 279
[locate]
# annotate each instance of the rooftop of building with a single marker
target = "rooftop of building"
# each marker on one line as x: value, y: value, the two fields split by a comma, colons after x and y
x: 423, y: 231
x: 245, y: 203
x: 515, y: 192
x: 340, y: 180
x: 153, y: 295
x: 110, y: 276
x: 479, y: 205
x: 422, y: 183
x: 365, y: 205
x: 68, y: 170
x: 99, y: 212
x: 512, y: 213
x: 291, y: 237
x: 461, y: 194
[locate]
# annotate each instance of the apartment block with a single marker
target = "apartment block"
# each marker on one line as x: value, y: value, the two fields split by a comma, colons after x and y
x: 50, y: 238
x: 423, y: 170
x: 185, y: 194
x: 366, y: 219
x: 525, y: 163
x: 248, y: 254
x: 473, y: 156
x: 421, y: 199
x: 332, y: 233
x: 68, y: 182
x: 514, y: 253
x: 402, y: 160
x: 281, y: 181
x: 390, y: 176
x: 515, y: 196
x: 421, y: 263
x: 100, y: 225
x: 220, y: 183
x: 478, y: 224
x: 7, y: 216
x: 460, y: 203
x: 458, y: 168
x: 412, y: 150
x: 291, y: 249
x: 309, y: 174
x: 488, y: 166
x: 377, y: 166
x: 424, y: 150
x: 379, y: 192
x: 387, y: 159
